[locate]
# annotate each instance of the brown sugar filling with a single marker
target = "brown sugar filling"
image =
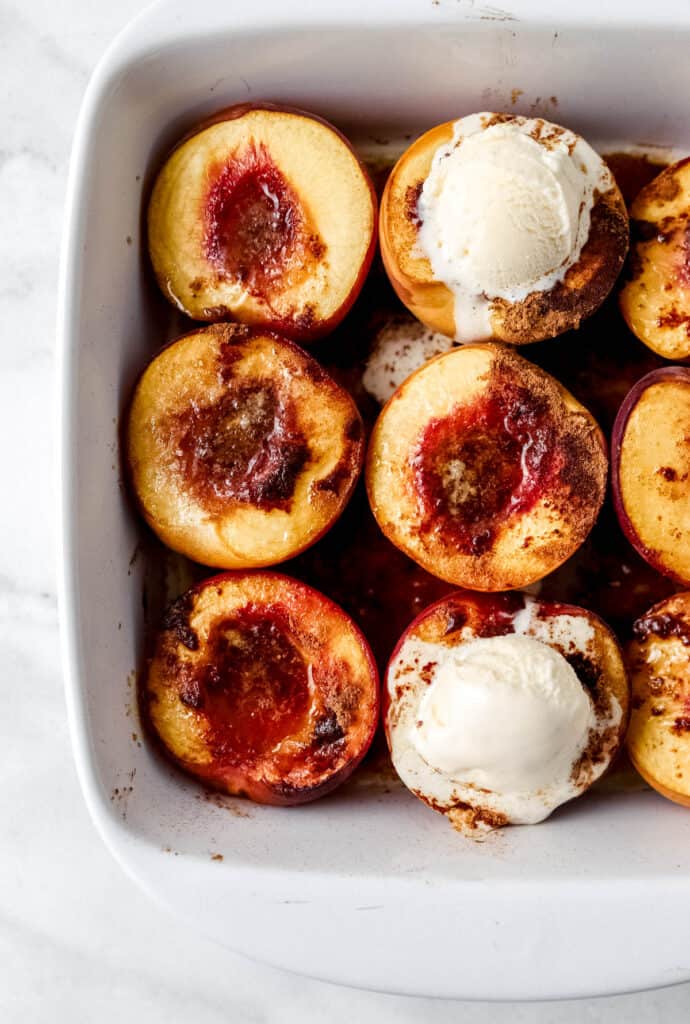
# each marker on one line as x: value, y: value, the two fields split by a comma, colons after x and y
x: 252, y: 686
x: 493, y: 459
x: 585, y: 286
x: 486, y: 461
x: 246, y: 447
x: 256, y: 228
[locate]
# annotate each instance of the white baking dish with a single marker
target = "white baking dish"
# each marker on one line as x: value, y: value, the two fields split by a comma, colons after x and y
x: 366, y: 887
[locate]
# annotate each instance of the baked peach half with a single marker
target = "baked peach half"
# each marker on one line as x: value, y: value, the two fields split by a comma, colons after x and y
x: 650, y: 455
x: 485, y: 470
x: 499, y: 707
x: 502, y: 227
x: 655, y: 298
x: 242, y: 450
x: 659, y: 735
x: 263, y: 215
x: 261, y: 687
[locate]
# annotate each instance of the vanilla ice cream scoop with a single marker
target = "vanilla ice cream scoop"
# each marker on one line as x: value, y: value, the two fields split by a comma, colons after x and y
x: 502, y: 729
x: 401, y: 346
x: 506, y: 713
x: 505, y: 211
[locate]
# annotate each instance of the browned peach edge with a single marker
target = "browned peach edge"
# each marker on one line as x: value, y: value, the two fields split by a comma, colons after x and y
x: 669, y: 794
x: 417, y: 294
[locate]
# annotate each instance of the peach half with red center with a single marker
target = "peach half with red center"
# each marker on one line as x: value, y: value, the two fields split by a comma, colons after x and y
x: 485, y: 470
x: 659, y: 736
x: 655, y: 299
x: 266, y: 216
x: 499, y: 707
x: 260, y: 686
x: 242, y: 450
x: 650, y: 456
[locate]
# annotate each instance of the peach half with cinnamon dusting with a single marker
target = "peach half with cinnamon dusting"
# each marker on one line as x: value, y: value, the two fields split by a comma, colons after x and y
x: 498, y: 707
x: 242, y: 450
x: 263, y: 215
x: 502, y: 227
x: 485, y: 470
x: 659, y: 735
x: 261, y: 687
x: 650, y: 460
x: 655, y: 299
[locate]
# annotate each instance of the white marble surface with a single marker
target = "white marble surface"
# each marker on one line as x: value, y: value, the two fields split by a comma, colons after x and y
x: 77, y: 940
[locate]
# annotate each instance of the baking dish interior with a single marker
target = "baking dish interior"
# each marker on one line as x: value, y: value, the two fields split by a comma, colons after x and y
x: 377, y: 85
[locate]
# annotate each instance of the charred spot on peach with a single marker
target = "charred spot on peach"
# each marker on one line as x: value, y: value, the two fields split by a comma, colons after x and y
x: 484, y: 470
x: 242, y: 450
x: 264, y: 215
x: 277, y: 699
